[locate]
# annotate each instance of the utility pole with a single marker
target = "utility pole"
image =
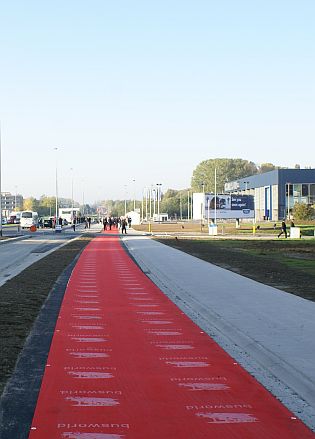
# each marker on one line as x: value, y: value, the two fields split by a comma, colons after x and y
x: 0, y: 188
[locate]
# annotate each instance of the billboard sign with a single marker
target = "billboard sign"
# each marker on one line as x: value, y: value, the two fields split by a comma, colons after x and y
x: 229, y: 206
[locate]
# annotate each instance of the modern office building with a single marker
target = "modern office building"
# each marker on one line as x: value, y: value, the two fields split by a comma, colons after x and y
x: 276, y: 192
x: 10, y: 203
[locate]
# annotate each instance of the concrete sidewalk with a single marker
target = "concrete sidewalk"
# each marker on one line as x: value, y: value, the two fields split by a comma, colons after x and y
x: 268, y: 331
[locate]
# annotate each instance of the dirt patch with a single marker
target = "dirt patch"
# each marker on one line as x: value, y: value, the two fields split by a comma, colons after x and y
x: 273, y: 263
x: 22, y: 297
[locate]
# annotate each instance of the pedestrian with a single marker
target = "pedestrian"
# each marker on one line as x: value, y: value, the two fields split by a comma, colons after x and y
x: 124, y: 226
x: 89, y: 222
x: 73, y: 224
x: 129, y: 222
x: 283, y: 229
x: 110, y: 222
x: 105, y: 222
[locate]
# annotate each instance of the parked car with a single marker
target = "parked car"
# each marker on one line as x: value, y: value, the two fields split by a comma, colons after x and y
x: 48, y: 222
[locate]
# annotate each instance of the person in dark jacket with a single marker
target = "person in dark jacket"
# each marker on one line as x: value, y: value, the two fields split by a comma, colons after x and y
x: 283, y: 229
x: 124, y: 226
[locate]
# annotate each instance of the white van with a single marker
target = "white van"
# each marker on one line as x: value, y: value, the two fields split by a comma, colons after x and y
x: 28, y: 219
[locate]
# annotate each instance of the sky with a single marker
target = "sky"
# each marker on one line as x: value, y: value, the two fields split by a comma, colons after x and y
x: 135, y: 93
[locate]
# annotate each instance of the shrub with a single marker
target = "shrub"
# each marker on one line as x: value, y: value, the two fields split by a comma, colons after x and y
x: 303, y: 211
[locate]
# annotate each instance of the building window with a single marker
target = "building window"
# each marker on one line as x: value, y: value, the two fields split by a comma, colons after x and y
x: 305, y: 190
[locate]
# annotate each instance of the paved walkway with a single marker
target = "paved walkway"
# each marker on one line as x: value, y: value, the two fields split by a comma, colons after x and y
x: 269, y: 331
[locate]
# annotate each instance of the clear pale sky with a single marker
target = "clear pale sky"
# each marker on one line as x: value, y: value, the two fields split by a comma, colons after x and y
x: 148, y: 89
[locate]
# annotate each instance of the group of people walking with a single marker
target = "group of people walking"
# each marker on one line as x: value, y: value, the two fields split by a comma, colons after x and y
x: 120, y: 223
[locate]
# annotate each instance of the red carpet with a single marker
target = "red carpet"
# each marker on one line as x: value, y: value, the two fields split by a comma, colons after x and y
x: 126, y: 363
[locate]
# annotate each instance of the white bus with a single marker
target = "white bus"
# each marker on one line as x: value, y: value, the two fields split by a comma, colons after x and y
x: 28, y: 219
x: 67, y: 213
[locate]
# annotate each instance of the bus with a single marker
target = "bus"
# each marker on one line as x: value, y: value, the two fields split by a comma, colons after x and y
x: 28, y: 219
x: 68, y: 213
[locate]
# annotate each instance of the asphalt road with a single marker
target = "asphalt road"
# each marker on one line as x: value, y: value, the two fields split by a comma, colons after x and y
x: 18, y: 254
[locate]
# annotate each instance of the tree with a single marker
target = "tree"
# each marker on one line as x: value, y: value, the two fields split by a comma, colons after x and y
x: 30, y: 204
x: 226, y: 170
x: 266, y: 167
x: 303, y: 211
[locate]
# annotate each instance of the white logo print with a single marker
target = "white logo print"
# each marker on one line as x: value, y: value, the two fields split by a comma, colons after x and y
x: 87, y: 317
x: 228, y: 418
x: 164, y: 332
x: 171, y: 347
x: 204, y: 386
x: 91, y: 375
x: 89, y: 354
x: 87, y: 327
x: 188, y: 363
x: 91, y: 436
x: 92, y: 402
x: 88, y: 339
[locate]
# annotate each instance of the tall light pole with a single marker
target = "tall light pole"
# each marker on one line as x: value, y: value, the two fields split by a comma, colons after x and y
x: 134, y: 194
x: 82, y: 181
x: 56, y: 208
x: 0, y: 188
x: 158, y: 185
x: 180, y: 207
x: 125, y: 200
x: 15, y: 187
x: 72, y: 202
x: 203, y: 202
x: 215, y: 196
x: 150, y: 202
x: 288, y: 201
x: 154, y: 201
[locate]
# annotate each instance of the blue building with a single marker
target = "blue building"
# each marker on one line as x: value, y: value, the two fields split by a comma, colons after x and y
x: 276, y: 192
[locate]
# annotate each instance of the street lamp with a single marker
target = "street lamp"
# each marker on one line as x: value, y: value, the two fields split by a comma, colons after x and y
x: 0, y: 189
x: 72, y: 202
x: 15, y: 187
x: 203, y: 207
x: 288, y: 201
x: 158, y: 185
x: 125, y: 200
x: 56, y: 216
x: 134, y: 194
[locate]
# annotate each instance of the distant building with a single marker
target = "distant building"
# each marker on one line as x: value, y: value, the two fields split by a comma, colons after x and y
x: 276, y: 192
x: 135, y: 217
x: 10, y: 203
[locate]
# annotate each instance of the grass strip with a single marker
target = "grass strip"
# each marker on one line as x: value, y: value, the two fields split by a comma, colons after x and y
x: 284, y: 264
x: 22, y: 297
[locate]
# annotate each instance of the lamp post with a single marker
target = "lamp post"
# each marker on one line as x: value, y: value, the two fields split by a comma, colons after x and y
x: 72, y: 202
x: 158, y: 185
x: 215, y: 196
x: 125, y: 200
x: 15, y: 187
x: 134, y: 194
x: 203, y: 207
x: 288, y: 200
x: 180, y: 207
x: 0, y: 188
x: 56, y: 207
